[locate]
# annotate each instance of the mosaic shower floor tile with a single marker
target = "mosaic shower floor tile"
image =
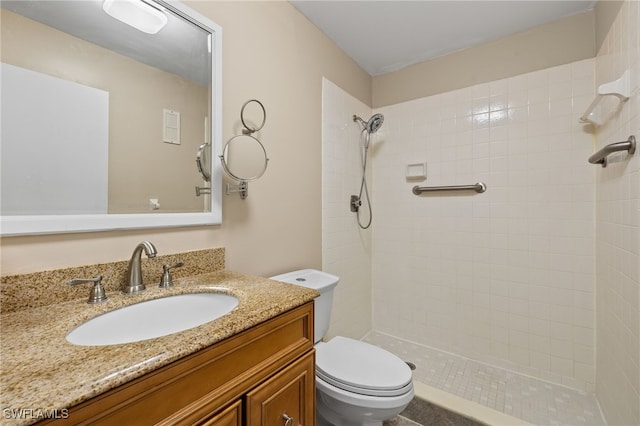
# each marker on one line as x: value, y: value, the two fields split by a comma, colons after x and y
x: 524, y: 397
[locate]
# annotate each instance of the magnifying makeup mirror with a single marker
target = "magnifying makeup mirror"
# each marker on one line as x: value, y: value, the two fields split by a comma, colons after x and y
x: 244, y: 158
x: 203, y: 161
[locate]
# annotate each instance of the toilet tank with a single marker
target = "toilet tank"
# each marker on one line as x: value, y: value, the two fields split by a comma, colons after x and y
x: 324, y: 283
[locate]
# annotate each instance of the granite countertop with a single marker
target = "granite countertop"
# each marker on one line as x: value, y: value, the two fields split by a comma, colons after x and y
x: 40, y: 370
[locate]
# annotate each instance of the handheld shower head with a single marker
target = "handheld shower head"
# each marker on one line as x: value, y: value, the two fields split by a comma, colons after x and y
x: 371, y: 126
x: 374, y: 123
x: 368, y: 127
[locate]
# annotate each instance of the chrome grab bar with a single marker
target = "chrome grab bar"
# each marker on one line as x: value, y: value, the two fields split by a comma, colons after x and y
x: 600, y: 157
x: 478, y: 187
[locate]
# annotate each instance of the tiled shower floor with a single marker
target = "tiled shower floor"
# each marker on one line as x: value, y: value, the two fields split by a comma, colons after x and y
x: 532, y: 400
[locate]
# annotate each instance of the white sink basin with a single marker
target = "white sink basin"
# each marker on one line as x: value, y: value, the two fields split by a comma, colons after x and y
x: 151, y: 319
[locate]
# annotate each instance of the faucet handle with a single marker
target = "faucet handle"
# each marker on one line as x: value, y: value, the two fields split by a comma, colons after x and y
x: 97, y: 293
x: 167, y: 281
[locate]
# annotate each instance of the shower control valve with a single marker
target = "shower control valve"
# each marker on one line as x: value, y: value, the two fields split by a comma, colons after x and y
x: 355, y: 203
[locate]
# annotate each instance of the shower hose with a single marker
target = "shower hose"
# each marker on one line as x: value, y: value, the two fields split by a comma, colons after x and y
x: 363, y: 186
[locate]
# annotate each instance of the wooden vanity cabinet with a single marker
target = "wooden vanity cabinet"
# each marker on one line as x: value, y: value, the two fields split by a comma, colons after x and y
x: 262, y: 376
x: 230, y: 416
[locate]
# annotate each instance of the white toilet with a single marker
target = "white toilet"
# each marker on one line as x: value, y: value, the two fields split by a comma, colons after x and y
x: 356, y: 383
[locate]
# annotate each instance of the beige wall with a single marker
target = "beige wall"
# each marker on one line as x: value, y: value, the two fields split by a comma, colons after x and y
x: 559, y: 42
x: 605, y: 14
x: 271, y: 53
x: 162, y: 171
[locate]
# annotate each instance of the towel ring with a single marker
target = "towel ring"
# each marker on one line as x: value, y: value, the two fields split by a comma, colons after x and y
x: 248, y: 129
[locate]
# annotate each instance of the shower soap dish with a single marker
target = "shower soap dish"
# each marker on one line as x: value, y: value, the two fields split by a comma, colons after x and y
x: 416, y: 171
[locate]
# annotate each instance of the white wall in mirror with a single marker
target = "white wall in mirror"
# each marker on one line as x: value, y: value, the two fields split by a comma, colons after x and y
x: 39, y: 128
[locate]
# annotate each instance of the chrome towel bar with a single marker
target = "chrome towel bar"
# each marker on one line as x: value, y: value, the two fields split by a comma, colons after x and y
x: 600, y: 157
x: 478, y: 187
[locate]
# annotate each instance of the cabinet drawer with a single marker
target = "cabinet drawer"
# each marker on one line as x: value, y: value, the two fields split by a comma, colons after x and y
x: 290, y: 394
x: 231, y: 416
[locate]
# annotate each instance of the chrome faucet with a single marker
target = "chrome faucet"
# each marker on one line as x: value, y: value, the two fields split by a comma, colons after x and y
x: 133, y: 283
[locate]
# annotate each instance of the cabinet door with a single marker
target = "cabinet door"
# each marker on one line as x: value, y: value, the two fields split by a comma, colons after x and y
x: 288, y: 398
x: 230, y: 416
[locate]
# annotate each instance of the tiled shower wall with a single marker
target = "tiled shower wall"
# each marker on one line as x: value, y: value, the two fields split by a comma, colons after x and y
x: 346, y: 249
x: 505, y: 277
x: 618, y: 230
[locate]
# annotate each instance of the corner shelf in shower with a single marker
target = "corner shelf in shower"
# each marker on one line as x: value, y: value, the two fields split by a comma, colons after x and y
x: 621, y: 88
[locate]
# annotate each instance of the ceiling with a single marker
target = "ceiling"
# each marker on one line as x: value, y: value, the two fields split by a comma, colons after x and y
x: 181, y: 47
x: 383, y: 35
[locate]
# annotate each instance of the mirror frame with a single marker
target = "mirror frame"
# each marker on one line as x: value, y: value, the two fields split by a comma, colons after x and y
x: 55, y: 224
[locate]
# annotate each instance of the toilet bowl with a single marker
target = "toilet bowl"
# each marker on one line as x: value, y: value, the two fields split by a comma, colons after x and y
x: 356, y: 383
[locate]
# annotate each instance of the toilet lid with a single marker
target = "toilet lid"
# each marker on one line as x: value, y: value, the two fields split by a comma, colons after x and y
x: 362, y: 368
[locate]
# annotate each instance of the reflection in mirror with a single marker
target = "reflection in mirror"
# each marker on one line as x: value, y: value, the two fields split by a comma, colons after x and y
x: 203, y: 161
x: 100, y: 117
x: 244, y: 158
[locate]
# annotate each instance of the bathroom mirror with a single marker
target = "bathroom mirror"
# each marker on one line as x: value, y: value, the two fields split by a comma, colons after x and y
x: 244, y: 158
x: 110, y: 113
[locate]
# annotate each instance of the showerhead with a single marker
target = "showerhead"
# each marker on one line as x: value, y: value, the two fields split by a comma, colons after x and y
x: 371, y: 126
x: 374, y: 123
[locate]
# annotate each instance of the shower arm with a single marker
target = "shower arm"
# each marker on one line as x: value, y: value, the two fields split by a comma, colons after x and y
x: 361, y: 121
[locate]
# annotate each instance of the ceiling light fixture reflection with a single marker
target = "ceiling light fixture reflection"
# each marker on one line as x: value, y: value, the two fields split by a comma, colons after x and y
x: 136, y: 13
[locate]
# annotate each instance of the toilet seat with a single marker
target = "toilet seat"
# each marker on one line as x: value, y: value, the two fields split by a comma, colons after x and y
x: 361, y: 368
